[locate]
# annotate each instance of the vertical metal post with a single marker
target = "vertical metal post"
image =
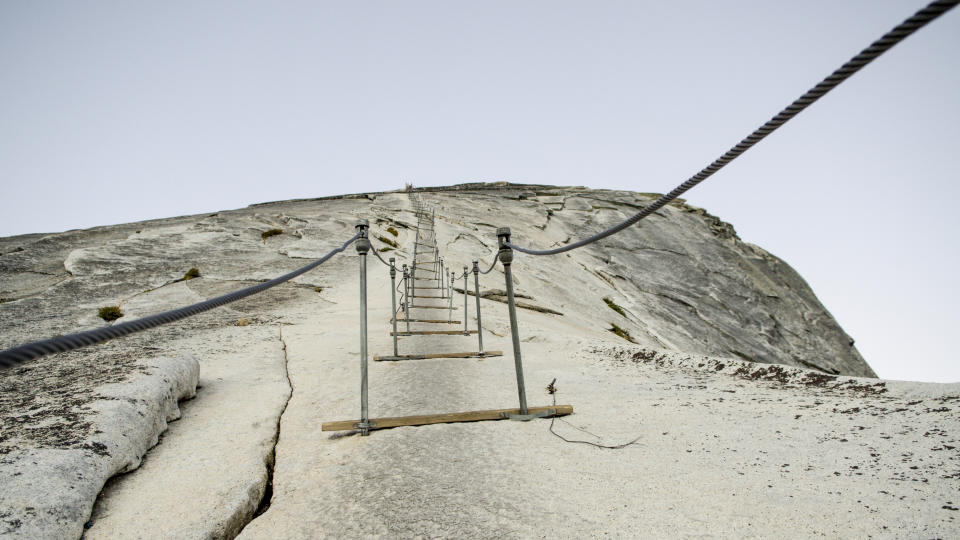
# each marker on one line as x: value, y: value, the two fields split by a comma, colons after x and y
x: 393, y: 301
x: 413, y: 264
x: 465, y: 300
x: 450, y: 296
x: 363, y: 246
x: 406, y: 294
x: 443, y: 281
x: 476, y: 291
x: 506, y: 257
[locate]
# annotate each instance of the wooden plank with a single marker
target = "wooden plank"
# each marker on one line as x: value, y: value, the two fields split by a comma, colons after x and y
x: 443, y: 418
x: 435, y: 333
x: 431, y: 356
x: 436, y: 321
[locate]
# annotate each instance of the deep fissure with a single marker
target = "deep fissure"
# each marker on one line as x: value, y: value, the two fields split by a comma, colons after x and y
x: 265, y: 500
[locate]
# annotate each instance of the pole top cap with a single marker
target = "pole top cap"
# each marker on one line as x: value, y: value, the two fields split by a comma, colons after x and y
x: 361, y: 223
x: 503, y: 231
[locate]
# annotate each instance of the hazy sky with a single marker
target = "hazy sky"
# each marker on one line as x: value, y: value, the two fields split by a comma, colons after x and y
x: 121, y: 111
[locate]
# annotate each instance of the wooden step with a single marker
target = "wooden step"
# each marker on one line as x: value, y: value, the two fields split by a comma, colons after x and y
x: 432, y: 321
x: 430, y: 356
x: 435, y: 333
x: 444, y: 418
x: 433, y: 307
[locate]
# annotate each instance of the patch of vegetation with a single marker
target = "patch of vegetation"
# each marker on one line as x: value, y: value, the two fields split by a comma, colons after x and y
x: 243, y: 321
x: 613, y: 305
x: 385, y: 248
x: 318, y: 289
x: 191, y: 273
x: 621, y: 332
x: 393, y: 231
x: 110, y: 313
x: 387, y: 241
x: 138, y: 231
x: 271, y: 232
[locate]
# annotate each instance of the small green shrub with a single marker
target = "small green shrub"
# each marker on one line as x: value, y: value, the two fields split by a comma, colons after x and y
x: 613, y: 305
x: 318, y: 289
x: 387, y: 241
x: 191, y: 273
x: 393, y: 231
x: 385, y: 248
x: 110, y: 313
x: 621, y: 332
x: 271, y: 232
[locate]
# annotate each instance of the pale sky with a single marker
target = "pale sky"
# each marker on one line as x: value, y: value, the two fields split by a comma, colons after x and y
x: 113, y: 112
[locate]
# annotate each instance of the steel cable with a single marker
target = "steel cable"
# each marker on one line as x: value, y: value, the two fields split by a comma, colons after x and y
x: 378, y: 256
x: 878, y: 47
x: 496, y: 258
x: 36, y: 349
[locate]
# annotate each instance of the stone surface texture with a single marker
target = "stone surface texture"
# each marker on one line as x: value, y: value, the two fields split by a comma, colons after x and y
x: 756, y: 415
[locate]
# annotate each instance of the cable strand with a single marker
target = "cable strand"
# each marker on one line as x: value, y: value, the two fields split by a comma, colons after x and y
x: 855, y: 64
x: 30, y: 351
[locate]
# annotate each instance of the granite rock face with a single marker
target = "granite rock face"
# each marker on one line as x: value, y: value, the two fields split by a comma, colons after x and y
x: 680, y: 282
x: 682, y: 279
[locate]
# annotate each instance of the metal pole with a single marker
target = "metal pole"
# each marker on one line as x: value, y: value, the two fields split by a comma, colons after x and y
x: 465, y: 300
x: 406, y: 294
x: 443, y: 281
x: 450, y: 296
x: 363, y: 246
x: 506, y: 257
x: 476, y: 291
x: 393, y: 301
x: 413, y: 264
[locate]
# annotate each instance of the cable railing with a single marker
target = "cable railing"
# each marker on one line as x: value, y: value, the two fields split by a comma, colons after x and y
x: 506, y: 247
x: 445, y: 278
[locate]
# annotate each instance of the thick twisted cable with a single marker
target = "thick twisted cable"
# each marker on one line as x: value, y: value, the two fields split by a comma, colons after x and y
x: 36, y: 349
x: 891, y: 38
